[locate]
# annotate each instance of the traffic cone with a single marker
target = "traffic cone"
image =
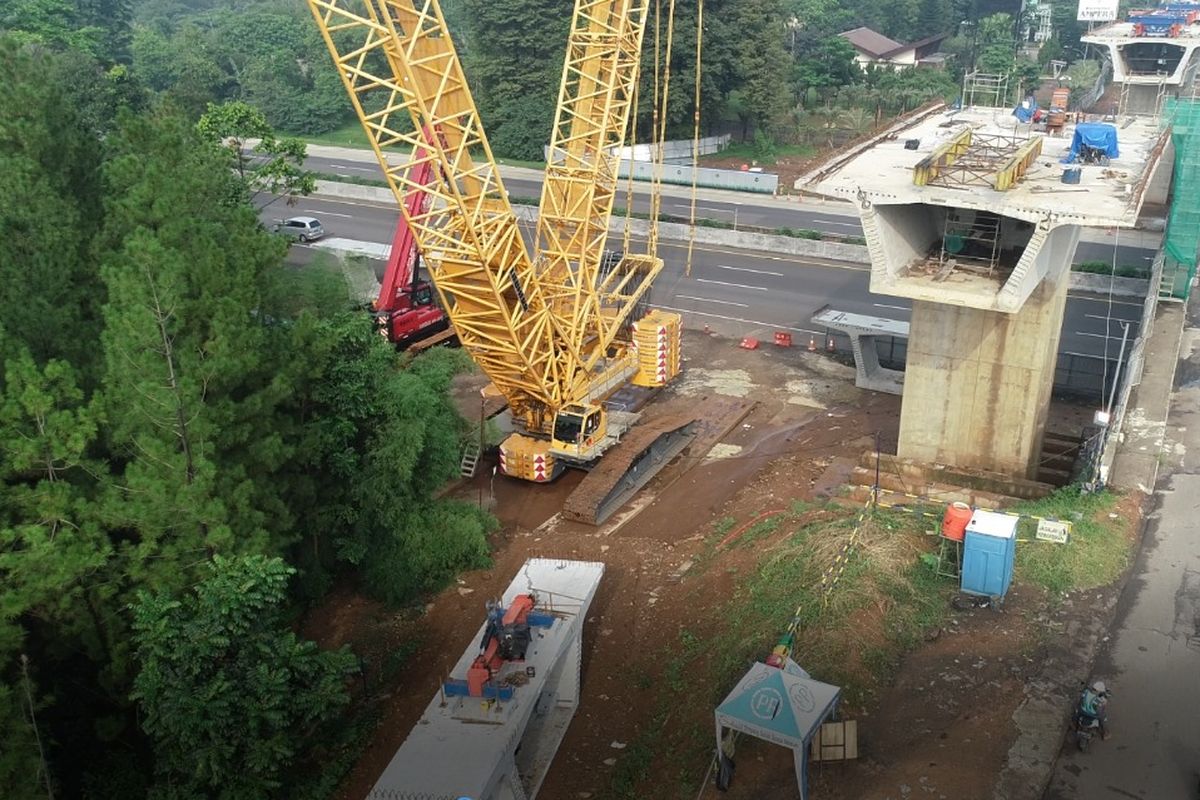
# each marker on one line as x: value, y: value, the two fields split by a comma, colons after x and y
x: 812, y: 344
x: 829, y: 345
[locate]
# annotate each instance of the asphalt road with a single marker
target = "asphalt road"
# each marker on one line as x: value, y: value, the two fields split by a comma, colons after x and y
x: 1151, y: 662
x: 837, y: 218
x: 740, y: 293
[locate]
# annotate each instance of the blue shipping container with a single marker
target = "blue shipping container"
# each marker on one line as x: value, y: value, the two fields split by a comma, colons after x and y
x: 989, y: 548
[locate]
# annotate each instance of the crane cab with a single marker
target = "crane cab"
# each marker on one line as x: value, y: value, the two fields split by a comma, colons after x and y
x: 579, y: 431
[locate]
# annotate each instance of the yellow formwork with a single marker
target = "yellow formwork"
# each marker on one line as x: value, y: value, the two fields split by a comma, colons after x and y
x: 1016, y: 167
x: 927, y: 169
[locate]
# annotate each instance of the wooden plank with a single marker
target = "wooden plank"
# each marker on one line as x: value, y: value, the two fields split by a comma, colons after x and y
x: 835, y: 741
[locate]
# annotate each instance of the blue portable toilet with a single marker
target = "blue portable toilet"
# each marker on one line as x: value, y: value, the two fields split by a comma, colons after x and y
x: 989, y: 548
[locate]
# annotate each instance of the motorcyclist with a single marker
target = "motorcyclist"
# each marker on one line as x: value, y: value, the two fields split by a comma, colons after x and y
x: 1093, y: 704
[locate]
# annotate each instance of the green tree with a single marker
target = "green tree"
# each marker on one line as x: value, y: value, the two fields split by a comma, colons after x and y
x: 514, y: 56
x: 229, y: 695
x: 51, y: 551
x: 192, y: 377
x: 266, y: 163
x: 55, y: 24
x: 378, y: 442
x: 831, y: 63
x: 933, y: 17
x: 49, y: 203
x: 762, y: 65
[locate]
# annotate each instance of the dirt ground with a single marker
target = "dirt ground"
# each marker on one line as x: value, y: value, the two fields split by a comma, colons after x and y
x: 940, y: 730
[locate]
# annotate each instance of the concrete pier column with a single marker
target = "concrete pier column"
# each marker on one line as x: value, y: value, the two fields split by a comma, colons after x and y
x: 977, y: 384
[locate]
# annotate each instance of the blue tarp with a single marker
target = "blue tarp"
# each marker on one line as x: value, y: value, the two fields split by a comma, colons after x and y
x: 1025, y: 111
x: 1096, y: 135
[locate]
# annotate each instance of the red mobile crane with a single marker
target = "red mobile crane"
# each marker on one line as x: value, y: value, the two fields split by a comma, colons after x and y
x: 406, y: 311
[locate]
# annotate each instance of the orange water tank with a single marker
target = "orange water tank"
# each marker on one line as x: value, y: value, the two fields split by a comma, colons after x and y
x: 954, y: 524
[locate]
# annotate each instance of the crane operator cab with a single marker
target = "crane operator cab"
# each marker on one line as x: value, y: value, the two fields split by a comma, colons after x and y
x: 579, y: 431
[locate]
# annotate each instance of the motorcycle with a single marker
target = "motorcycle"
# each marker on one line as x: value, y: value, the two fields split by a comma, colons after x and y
x: 1084, y: 724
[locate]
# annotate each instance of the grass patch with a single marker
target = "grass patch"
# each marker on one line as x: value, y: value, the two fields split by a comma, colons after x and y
x: 516, y: 162
x: 357, y: 180
x: 1106, y: 268
x: 1096, y: 554
x: 349, y: 135
x: 880, y: 607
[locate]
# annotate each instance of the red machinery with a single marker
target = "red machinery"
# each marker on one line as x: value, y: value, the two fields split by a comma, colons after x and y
x: 505, y: 639
x: 406, y: 310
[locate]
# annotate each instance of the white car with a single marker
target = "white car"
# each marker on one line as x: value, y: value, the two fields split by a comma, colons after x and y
x: 303, y: 229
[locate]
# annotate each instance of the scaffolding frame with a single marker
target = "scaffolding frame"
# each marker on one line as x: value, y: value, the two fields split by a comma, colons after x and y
x: 981, y: 229
x: 985, y: 85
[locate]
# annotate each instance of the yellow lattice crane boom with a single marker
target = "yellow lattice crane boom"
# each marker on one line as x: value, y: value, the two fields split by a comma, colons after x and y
x: 552, y: 329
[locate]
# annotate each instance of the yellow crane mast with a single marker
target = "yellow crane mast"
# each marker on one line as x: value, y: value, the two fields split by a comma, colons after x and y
x: 552, y: 330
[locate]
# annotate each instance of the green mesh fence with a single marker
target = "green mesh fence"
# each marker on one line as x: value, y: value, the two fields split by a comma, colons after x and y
x: 1183, y: 220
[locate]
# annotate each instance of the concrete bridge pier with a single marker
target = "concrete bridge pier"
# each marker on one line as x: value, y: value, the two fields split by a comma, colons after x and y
x: 977, y: 383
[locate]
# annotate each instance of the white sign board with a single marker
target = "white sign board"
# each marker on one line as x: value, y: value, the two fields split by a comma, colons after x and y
x: 1097, y: 10
x: 1050, y: 530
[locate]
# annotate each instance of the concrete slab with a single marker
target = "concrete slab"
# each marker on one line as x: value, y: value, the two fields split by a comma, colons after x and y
x: 469, y: 747
x: 882, y: 173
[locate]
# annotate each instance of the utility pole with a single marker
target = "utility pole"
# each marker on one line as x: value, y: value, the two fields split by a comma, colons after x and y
x: 875, y: 488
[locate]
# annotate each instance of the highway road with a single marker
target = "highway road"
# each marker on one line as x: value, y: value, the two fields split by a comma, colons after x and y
x: 740, y: 293
x: 743, y: 209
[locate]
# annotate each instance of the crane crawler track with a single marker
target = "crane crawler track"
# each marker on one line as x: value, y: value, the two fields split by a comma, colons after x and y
x: 629, y: 466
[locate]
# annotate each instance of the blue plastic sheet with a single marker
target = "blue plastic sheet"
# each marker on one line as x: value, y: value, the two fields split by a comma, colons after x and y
x: 1098, y: 136
x: 1025, y: 110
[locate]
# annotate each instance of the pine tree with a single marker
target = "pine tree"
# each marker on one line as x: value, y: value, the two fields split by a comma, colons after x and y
x: 191, y: 380
x: 49, y: 196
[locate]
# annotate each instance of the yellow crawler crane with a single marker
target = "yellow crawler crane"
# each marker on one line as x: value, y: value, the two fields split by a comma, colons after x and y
x: 553, y: 330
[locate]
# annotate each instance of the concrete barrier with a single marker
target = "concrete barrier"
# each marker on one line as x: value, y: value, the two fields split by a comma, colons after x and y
x: 353, y: 191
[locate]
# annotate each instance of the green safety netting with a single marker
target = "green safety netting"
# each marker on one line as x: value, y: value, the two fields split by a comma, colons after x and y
x: 1183, y: 220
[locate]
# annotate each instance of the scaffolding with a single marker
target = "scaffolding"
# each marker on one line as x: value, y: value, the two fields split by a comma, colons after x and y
x: 986, y: 89
x: 970, y: 241
x: 1183, y: 220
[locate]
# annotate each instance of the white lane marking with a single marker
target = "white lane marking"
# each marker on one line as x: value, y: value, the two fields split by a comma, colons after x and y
x: 1091, y: 298
x: 708, y: 208
x: 328, y: 214
x: 740, y: 319
x: 1097, y: 335
x: 1087, y: 355
x: 747, y: 269
x: 835, y: 222
x: 885, y: 305
x: 710, y: 300
x: 356, y: 169
x: 1132, y: 322
x: 735, y: 285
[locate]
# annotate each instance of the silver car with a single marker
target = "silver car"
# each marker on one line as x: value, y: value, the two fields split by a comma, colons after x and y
x: 303, y: 229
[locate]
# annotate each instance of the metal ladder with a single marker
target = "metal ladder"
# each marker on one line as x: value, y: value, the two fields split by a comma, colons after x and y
x: 470, y: 459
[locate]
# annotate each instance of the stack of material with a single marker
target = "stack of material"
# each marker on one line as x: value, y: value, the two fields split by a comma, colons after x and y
x: 656, y: 341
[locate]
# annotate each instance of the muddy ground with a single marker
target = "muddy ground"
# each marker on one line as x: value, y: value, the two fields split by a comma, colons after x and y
x: 940, y: 729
